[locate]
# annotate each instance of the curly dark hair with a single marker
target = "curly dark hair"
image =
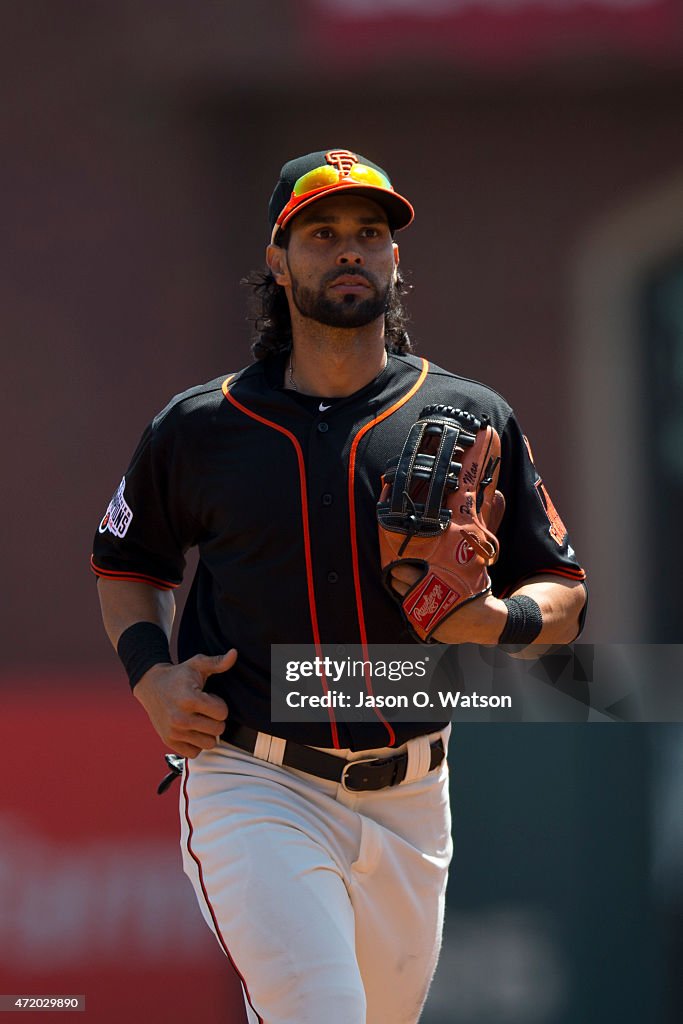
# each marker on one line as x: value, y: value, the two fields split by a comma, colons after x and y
x: 269, y: 313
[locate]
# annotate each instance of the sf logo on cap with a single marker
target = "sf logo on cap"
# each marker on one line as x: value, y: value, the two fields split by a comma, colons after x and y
x: 343, y: 160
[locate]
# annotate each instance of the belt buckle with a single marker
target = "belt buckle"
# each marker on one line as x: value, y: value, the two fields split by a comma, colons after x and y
x: 352, y: 764
x: 377, y: 762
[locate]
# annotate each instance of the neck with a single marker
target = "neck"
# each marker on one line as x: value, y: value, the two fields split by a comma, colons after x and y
x: 335, y: 362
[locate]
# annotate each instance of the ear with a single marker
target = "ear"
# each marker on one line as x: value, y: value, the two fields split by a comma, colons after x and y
x: 276, y: 259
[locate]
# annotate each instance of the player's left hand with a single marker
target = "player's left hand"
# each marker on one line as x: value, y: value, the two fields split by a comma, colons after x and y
x: 480, y: 621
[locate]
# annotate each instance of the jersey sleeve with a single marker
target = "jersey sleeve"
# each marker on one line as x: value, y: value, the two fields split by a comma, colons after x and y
x: 144, y: 533
x: 533, y: 538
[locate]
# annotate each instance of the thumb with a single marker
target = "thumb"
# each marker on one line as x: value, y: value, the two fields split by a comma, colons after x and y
x: 211, y: 664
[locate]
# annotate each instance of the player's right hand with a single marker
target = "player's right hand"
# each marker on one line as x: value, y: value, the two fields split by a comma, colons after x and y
x: 187, y: 719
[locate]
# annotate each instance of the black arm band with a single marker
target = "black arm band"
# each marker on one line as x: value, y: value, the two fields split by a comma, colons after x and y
x: 524, y: 621
x: 141, y: 646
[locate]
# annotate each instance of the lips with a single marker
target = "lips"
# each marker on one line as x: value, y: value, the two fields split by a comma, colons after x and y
x: 350, y: 282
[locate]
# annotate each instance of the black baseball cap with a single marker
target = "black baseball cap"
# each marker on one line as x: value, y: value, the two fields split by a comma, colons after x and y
x: 308, y: 178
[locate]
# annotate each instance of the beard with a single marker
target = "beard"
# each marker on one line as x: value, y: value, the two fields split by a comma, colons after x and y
x: 350, y: 311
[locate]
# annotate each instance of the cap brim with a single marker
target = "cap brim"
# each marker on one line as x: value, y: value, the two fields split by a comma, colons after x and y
x: 399, y: 211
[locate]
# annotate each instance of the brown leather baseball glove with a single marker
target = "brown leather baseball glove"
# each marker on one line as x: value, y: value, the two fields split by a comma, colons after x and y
x: 439, y: 511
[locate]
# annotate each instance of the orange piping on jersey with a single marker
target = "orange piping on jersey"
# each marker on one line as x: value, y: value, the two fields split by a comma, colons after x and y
x: 354, y: 540
x: 200, y: 872
x: 132, y: 577
x: 570, y: 574
x: 307, y: 535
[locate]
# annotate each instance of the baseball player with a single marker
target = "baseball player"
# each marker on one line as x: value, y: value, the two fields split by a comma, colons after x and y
x: 318, y: 851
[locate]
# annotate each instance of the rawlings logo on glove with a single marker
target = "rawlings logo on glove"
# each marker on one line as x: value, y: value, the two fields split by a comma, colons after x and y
x: 438, y: 512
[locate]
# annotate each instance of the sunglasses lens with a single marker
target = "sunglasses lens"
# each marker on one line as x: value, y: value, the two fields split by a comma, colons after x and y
x: 369, y: 176
x: 317, y: 178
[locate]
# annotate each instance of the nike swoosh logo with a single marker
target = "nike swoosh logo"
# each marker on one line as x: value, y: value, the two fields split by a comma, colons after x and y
x: 323, y: 408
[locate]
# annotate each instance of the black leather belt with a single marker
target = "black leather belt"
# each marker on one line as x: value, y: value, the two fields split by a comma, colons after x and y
x: 356, y: 776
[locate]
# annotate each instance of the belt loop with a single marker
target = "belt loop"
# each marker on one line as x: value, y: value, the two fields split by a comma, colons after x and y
x: 262, y: 746
x: 277, y: 750
x: 419, y: 758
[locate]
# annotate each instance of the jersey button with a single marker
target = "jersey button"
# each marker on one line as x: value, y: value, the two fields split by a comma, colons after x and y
x: 323, y: 427
x: 333, y: 577
x: 327, y: 499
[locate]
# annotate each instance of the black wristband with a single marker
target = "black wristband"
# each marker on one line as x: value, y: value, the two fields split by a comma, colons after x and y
x: 524, y: 621
x: 141, y: 646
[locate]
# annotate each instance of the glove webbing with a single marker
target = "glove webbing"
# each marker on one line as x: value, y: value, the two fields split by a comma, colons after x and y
x: 443, y: 470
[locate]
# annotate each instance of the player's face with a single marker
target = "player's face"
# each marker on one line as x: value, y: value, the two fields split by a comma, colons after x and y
x: 341, y: 261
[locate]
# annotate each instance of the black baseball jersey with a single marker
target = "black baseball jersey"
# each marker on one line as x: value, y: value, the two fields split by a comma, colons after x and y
x: 278, y: 492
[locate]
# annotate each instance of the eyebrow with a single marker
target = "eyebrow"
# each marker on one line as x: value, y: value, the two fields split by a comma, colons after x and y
x: 311, y: 217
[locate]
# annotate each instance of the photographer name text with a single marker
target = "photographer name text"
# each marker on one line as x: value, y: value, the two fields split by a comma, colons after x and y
x: 419, y: 699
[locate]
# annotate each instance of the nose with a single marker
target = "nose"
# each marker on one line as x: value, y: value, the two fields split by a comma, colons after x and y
x: 349, y: 256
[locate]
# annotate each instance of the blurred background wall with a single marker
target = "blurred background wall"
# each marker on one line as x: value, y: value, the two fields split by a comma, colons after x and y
x: 541, y: 144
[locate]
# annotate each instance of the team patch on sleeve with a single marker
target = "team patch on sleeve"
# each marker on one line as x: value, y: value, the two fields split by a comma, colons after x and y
x: 558, y: 531
x: 119, y: 514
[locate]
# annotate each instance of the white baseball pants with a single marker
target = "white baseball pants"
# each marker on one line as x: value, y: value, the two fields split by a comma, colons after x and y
x: 329, y: 904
